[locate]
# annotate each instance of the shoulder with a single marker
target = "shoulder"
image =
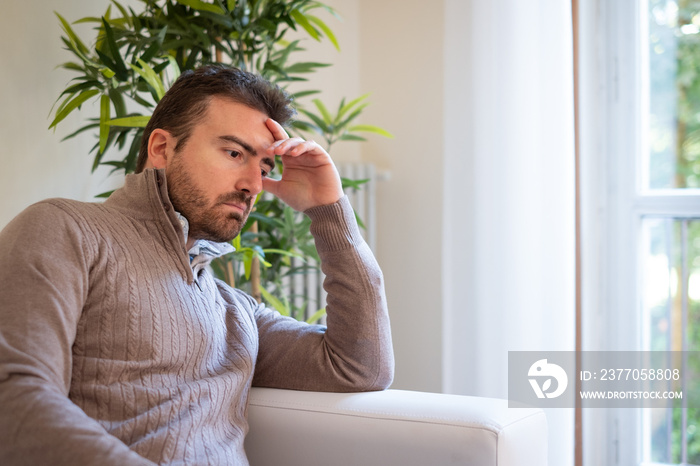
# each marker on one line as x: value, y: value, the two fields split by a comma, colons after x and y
x: 47, y: 229
x: 52, y: 220
x: 236, y: 297
x: 48, y: 213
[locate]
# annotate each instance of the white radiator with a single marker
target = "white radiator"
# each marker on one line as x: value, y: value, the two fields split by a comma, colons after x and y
x: 306, y: 290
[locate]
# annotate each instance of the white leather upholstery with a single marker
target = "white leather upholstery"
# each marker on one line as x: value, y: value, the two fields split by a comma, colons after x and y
x: 391, y: 427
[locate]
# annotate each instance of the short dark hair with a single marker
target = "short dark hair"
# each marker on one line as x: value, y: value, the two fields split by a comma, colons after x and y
x: 187, y: 101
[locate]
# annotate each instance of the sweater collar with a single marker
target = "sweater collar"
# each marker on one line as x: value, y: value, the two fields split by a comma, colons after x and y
x: 144, y: 196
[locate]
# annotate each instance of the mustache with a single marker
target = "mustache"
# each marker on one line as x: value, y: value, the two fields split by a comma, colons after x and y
x: 237, y: 197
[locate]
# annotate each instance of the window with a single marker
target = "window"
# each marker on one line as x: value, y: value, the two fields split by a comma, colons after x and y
x: 670, y: 234
x: 649, y: 254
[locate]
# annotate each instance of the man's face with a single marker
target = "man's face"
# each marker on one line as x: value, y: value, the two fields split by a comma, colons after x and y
x: 214, y: 178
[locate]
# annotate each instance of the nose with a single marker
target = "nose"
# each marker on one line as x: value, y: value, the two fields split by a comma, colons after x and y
x: 249, y: 178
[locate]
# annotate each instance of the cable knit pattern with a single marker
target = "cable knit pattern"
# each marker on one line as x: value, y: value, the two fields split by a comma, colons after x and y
x: 114, y: 351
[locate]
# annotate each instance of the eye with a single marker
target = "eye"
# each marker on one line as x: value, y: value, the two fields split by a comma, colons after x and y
x: 234, y: 153
x: 264, y: 173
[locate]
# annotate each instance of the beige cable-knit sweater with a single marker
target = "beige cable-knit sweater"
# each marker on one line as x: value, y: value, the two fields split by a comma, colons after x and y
x: 114, y: 351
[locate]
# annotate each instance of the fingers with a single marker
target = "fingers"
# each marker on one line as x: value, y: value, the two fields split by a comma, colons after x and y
x: 270, y: 185
x: 276, y: 129
x: 286, y: 146
x: 296, y: 146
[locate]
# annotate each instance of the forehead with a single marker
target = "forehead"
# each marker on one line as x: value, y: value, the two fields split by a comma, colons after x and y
x: 223, y: 113
x: 227, y: 119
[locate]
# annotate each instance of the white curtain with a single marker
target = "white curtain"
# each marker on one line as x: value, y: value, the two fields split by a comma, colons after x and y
x: 509, y: 200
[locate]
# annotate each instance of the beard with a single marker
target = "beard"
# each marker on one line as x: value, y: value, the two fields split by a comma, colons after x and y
x: 209, y: 222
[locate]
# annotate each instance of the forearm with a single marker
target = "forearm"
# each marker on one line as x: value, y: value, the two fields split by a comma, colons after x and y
x: 354, y: 352
x: 43, y: 282
x: 40, y: 425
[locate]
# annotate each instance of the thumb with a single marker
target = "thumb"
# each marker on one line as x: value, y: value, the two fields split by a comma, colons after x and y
x: 270, y: 185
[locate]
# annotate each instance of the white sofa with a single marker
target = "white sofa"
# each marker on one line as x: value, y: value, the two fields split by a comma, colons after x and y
x: 391, y: 427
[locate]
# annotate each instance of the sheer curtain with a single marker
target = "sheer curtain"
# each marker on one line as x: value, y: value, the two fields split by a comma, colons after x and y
x: 509, y: 195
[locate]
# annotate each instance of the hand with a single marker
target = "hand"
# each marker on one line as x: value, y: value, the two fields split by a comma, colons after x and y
x: 309, y: 178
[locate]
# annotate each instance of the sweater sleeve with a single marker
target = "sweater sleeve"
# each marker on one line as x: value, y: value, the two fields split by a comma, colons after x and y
x: 354, y: 352
x: 44, y: 269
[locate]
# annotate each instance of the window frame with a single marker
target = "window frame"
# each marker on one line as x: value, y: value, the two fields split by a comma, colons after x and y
x: 613, y: 88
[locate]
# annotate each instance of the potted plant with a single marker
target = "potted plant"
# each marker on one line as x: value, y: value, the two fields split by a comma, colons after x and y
x: 136, y: 55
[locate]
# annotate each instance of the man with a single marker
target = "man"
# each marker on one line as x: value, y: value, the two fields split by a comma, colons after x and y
x: 118, y: 347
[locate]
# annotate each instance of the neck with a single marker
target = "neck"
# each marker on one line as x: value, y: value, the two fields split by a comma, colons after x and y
x: 190, y: 243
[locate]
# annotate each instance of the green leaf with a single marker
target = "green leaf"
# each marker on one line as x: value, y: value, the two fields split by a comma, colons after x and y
x: 360, y: 223
x: 326, y: 30
x: 107, y: 61
x: 302, y: 21
x: 300, y: 94
x: 118, y: 101
x: 352, y: 116
x: 122, y: 10
x: 139, y: 121
x: 155, y: 47
x: 80, y: 130
x: 107, y: 73
x: 371, y: 129
x: 351, y: 137
x: 71, y: 66
x: 202, y: 6
x: 327, y: 118
x: 151, y: 78
x: 104, y: 121
x: 71, y: 35
x: 316, y: 316
x: 80, y: 87
x: 305, y: 67
x: 247, y: 262
x: 132, y: 156
x: 76, y: 102
x: 347, y: 107
x: 86, y: 61
x: 319, y: 122
x: 88, y: 19
x: 284, y: 253
x: 354, y: 184
x: 114, y: 50
x: 329, y: 9
x: 274, y: 302
x: 304, y: 126
x: 105, y: 194
x: 174, y: 66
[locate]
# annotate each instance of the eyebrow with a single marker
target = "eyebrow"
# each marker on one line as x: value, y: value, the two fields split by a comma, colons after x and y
x: 248, y: 148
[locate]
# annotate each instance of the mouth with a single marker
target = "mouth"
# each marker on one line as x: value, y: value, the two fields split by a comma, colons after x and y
x: 242, y: 208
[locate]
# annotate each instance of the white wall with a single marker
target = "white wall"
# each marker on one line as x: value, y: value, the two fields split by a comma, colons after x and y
x: 401, y: 63
x: 34, y: 164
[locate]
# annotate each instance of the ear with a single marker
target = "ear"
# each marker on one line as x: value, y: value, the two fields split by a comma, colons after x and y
x: 161, y: 146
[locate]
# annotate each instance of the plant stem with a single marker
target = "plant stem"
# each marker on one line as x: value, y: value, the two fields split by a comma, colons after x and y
x: 229, y: 271
x: 217, y: 51
x: 255, y: 270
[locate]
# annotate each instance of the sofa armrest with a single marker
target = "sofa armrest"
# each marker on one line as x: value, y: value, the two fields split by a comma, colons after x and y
x: 391, y: 427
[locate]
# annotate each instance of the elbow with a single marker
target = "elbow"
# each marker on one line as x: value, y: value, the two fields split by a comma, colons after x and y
x: 383, y: 367
x: 383, y: 374
x: 385, y: 377
x: 371, y: 375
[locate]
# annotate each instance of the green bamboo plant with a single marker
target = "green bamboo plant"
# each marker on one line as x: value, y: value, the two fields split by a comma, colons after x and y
x: 137, y: 55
